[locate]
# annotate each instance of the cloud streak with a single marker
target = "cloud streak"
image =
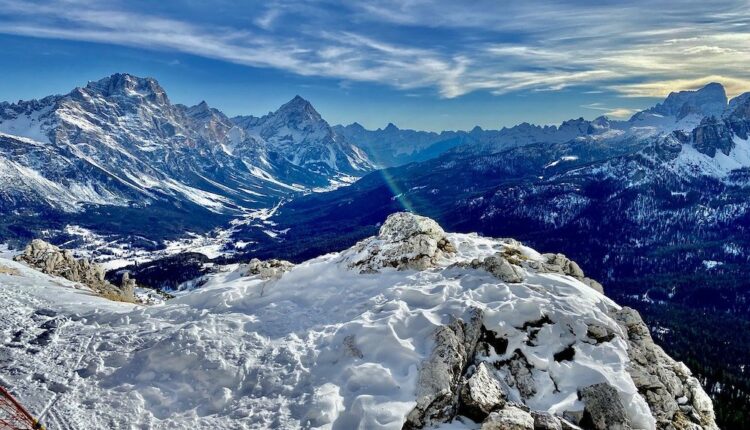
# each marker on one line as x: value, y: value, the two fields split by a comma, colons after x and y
x: 638, y: 50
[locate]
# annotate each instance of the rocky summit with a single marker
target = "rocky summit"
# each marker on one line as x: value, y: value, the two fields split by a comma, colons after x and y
x: 412, y: 328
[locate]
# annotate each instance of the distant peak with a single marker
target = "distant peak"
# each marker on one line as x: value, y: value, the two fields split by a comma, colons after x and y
x: 127, y: 84
x: 297, y: 103
x: 391, y: 127
x: 711, y: 99
x: 298, y: 107
x: 714, y: 86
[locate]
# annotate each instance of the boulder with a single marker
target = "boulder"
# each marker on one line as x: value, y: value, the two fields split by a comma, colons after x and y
x: 509, y: 418
x: 603, y: 408
x: 266, y: 269
x: 405, y: 242
x: 545, y: 421
x: 502, y: 269
x: 481, y: 394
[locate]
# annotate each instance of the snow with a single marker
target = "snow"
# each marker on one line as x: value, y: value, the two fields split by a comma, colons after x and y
x: 563, y: 158
x: 710, y: 264
x: 30, y: 125
x: 322, y: 347
x: 720, y: 165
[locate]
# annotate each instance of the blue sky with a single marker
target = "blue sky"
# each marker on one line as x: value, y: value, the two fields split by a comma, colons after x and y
x: 419, y: 64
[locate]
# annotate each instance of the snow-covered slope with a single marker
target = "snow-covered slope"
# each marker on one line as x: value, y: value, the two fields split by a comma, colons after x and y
x: 120, y: 142
x: 346, y: 340
x: 298, y: 133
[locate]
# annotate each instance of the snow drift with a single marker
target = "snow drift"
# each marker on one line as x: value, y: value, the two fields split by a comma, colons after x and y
x: 414, y: 327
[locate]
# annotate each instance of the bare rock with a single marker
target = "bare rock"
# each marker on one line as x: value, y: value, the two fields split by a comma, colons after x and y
x: 603, y: 408
x: 520, y: 376
x: 440, y: 375
x: 675, y: 397
x: 405, y: 241
x: 502, y: 269
x: 509, y: 418
x: 53, y: 261
x: 481, y: 394
x: 545, y: 421
x: 267, y: 269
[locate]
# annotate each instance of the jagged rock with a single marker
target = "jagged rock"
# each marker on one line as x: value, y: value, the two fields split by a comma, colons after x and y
x: 562, y: 264
x: 127, y: 284
x: 267, y: 269
x: 481, y: 394
x: 545, y: 421
x: 572, y: 417
x: 559, y: 263
x: 593, y: 284
x: 675, y: 397
x: 509, y: 418
x: 439, y: 376
x: 502, y: 269
x: 600, y: 332
x: 713, y: 135
x: 405, y: 241
x: 520, y: 376
x: 53, y: 261
x: 604, y: 409
x: 567, y: 425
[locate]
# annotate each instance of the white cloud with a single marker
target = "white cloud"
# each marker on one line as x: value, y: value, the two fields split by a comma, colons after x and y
x: 611, y: 112
x: 733, y: 86
x: 639, y: 49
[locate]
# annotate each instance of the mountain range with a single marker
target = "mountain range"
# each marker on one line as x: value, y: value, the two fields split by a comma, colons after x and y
x: 116, y: 152
x: 657, y: 207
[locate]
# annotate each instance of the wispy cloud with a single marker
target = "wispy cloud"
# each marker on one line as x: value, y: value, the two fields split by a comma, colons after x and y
x: 640, y: 49
x: 609, y: 111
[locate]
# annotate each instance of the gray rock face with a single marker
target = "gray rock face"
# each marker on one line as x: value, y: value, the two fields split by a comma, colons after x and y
x: 405, y: 241
x: 559, y: 263
x: 545, y: 421
x: 520, y: 376
x: 713, y: 135
x: 510, y: 418
x: 501, y: 268
x: 53, y: 261
x: 267, y: 269
x: 481, y: 394
x: 440, y: 375
x: 675, y: 397
x: 604, y: 409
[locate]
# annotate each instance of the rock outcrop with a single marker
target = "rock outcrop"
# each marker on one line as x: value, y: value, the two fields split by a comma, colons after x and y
x: 440, y: 376
x: 266, y: 269
x: 604, y: 409
x: 461, y: 378
x: 405, y: 241
x: 676, y: 398
x: 559, y: 263
x: 510, y: 418
x: 481, y: 394
x: 54, y: 261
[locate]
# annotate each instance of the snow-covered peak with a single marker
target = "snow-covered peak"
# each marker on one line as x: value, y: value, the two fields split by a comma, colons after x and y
x: 711, y: 100
x: 391, y: 127
x: 324, y: 345
x: 739, y: 107
x: 299, y: 112
x: 124, y: 84
x: 297, y: 132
